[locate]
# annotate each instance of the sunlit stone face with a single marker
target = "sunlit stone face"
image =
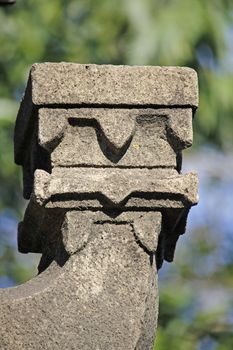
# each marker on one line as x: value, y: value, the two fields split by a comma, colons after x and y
x: 118, y: 152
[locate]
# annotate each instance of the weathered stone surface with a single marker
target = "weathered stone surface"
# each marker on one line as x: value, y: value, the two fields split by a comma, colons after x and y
x: 77, y: 84
x: 143, y: 225
x: 76, y: 221
x: 115, y: 137
x: 115, y: 187
x: 100, y: 148
x: 52, y: 84
x: 143, y: 138
x: 103, y: 297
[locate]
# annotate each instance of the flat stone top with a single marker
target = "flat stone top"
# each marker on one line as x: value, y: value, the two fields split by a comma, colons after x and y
x: 90, y: 84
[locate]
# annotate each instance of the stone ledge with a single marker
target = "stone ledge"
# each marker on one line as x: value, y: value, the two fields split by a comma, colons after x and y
x: 78, y: 84
x: 122, y: 188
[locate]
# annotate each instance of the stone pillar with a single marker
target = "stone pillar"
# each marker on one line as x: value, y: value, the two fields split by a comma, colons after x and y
x: 100, y: 148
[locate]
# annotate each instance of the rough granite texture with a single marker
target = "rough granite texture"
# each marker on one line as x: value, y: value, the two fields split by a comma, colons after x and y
x: 100, y: 148
x: 104, y: 297
x: 114, y: 188
x: 69, y: 83
x: 59, y: 84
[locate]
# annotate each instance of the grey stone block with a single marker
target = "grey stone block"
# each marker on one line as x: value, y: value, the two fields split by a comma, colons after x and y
x: 77, y: 84
x: 114, y: 188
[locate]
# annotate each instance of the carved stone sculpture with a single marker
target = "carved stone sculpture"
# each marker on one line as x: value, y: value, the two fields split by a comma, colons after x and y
x: 100, y: 148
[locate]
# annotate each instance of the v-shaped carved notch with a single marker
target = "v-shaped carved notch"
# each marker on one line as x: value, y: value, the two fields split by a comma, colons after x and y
x: 118, y: 131
x: 114, y: 134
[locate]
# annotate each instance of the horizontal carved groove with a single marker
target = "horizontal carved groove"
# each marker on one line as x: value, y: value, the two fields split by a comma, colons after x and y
x: 106, y: 202
x: 96, y: 166
x: 112, y: 106
x: 112, y: 222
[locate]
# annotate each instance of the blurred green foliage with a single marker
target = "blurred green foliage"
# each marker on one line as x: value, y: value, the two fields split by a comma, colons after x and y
x: 194, y: 33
